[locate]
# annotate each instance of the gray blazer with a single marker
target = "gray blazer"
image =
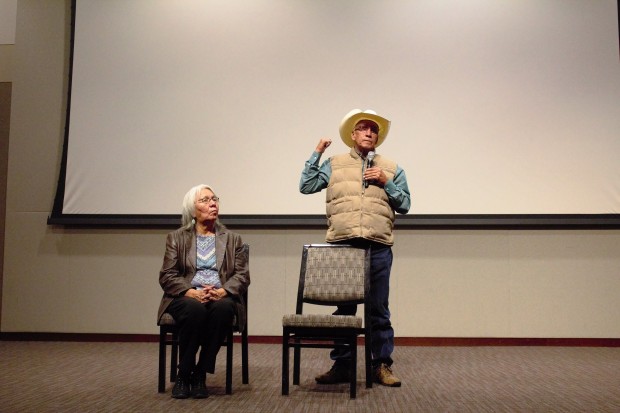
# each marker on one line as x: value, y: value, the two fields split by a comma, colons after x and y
x: 179, y: 267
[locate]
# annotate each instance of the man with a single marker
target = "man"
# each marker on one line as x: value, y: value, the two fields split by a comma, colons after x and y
x: 364, y: 191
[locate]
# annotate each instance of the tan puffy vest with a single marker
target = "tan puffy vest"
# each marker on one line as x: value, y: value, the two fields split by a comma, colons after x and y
x: 354, y: 211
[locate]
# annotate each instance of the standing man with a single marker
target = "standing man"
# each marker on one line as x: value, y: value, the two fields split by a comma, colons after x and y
x: 364, y: 191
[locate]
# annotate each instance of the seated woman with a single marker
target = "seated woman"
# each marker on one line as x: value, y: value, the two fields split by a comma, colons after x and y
x: 204, y: 277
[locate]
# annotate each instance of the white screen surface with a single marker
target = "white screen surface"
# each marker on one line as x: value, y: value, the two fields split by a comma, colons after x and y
x: 496, y: 107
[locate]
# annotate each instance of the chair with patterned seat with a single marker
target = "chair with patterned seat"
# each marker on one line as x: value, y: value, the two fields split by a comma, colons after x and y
x: 330, y: 275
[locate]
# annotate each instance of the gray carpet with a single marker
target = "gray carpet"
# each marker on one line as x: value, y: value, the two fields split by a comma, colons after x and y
x: 122, y: 377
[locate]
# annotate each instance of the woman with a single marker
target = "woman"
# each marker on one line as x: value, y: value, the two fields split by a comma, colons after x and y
x: 204, y: 277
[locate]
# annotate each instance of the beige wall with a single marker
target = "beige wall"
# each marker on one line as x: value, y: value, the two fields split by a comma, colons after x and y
x: 446, y: 283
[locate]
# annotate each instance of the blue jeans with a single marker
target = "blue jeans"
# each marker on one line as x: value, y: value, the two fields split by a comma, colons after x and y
x: 382, y: 332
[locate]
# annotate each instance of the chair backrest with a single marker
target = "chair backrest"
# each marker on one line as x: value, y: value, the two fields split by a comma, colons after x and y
x: 246, y: 252
x: 333, y: 274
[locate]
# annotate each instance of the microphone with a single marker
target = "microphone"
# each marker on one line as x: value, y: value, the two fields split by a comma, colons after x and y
x: 369, y: 158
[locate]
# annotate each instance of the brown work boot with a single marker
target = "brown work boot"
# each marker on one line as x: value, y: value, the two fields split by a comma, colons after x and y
x: 337, y: 374
x: 384, y: 375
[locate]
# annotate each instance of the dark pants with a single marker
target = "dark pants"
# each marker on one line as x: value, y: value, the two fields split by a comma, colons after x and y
x: 382, y: 332
x: 201, y: 326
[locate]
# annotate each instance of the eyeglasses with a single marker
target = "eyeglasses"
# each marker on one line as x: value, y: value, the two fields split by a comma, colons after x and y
x: 208, y: 199
x: 364, y: 128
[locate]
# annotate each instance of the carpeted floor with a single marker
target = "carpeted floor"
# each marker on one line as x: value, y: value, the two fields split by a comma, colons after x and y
x: 122, y: 377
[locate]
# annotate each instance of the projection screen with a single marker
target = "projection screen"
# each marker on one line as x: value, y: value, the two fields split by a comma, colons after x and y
x: 502, y: 113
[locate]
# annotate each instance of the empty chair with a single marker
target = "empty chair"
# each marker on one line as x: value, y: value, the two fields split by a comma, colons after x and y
x: 330, y: 275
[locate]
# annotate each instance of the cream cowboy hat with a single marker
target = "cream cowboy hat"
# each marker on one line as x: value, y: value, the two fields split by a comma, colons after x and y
x: 352, y: 118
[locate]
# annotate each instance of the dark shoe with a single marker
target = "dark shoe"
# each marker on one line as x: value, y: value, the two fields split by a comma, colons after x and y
x: 337, y: 374
x: 181, y: 388
x: 199, y: 386
x: 385, y: 376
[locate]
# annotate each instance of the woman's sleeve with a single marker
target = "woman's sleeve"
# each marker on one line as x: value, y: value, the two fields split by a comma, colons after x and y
x: 171, y: 278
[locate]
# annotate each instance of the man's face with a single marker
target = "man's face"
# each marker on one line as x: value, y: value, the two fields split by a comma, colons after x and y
x: 365, y: 135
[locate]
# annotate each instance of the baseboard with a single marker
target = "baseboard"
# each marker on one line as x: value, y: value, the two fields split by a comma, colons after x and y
x: 399, y: 341
x: 506, y: 341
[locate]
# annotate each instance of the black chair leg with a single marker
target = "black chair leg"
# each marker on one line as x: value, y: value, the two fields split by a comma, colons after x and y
x: 161, y: 378
x: 353, y: 367
x: 229, y: 361
x: 368, y: 362
x: 285, y: 360
x: 296, y: 364
x: 174, y: 356
x: 245, y: 373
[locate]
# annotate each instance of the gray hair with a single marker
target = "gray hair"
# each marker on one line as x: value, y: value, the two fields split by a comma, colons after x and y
x: 189, y: 205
